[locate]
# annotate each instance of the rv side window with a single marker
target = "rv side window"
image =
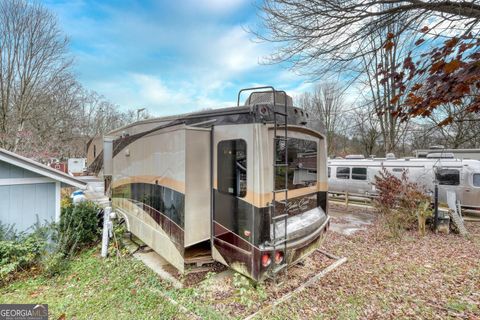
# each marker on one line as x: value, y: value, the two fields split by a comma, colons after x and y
x: 476, y: 179
x: 359, y: 173
x: 329, y: 171
x: 232, y: 167
x: 450, y: 177
x: 343, y: 173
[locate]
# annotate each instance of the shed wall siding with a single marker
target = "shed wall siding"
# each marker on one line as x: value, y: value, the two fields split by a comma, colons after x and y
x: 25, y: 204
x: 8, y: 171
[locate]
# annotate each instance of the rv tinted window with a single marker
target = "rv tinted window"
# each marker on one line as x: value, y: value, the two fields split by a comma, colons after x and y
x: 359, y: 173
x: 449, y: 177
x: 329, y: 171
x: 302, y: 164
x: 343, y: 173
x: 476, y: 179
x: 232, y: 167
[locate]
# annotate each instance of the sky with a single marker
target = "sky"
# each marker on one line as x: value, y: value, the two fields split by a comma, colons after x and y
x: 170, y: 56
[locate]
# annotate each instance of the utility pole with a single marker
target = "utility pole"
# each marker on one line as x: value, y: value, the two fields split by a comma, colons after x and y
x: 138, y: 112
x: 435, y: 205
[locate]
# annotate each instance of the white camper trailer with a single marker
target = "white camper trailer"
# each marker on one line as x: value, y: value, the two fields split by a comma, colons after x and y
x: 357, y: 176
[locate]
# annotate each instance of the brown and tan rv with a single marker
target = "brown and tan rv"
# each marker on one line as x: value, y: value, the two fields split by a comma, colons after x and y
x: 248, y: 182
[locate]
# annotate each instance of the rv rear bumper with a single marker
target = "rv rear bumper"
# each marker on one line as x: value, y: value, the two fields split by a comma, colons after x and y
x: 296, y: 249
x: 304, y: 236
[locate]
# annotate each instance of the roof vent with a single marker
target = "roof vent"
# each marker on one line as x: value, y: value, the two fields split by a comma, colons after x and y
x: 354, y: 156
x: 266, y: 97
x: 440, y: 155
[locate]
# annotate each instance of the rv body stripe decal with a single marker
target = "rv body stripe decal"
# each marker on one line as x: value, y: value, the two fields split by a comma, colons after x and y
x: 174, y: 232
x: 165, y: 201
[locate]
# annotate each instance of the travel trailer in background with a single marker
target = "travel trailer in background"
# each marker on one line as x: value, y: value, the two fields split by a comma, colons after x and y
x: 76, y: 166
x: 225, y: 181
x: 436, y: 151
x: 356, y: 176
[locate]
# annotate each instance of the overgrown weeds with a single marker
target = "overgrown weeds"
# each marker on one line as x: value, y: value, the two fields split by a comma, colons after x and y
x: 401, y: 203
x: 20, y: 251
x: 247, y: 292
x: 50, y: 246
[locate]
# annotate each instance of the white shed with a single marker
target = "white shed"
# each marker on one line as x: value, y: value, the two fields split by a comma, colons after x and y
x: 30, y: 191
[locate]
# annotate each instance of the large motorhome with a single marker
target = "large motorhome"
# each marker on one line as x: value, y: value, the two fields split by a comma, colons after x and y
x: 357, y: 176
x: 224, y: 179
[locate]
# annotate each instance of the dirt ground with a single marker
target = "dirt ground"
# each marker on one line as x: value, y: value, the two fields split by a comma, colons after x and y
x: 431, y: 277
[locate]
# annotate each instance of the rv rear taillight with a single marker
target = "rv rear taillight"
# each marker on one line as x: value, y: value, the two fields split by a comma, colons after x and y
x: 278, y: 257
x: 266, y: 260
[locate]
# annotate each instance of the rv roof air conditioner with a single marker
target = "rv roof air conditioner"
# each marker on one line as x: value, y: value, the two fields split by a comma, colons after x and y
x: 440, y: 155
x: 354, y: 156
x: 266, y: 97
x: 390, y: 156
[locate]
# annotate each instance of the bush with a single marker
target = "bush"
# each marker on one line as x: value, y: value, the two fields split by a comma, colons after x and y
x: 78, y: 227
x: 401, y: 203
x: 49, y: 246
x: 21, y: 252
x: 8, y: 232
x: 53, y: 263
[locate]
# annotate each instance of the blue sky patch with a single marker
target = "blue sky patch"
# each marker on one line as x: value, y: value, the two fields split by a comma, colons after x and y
x: 169, y: 56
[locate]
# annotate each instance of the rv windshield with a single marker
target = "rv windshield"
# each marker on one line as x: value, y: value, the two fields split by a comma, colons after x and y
x: 302, y: 164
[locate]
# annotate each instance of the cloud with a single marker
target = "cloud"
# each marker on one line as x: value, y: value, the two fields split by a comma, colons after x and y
x: 137, y: 90
x: 171, y: 57
x: 216, y: 6
x: 154, y: 92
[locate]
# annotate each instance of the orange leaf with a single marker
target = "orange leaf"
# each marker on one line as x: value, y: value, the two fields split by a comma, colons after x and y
x: 446, y: 121
x: 419, y: 42
x: 437, y: 66
x: 462, y: 89
x: 424, y: 29
x: 395, y: 99
x: 451, y: 66
x: 389, y: 45
x: 390, y: 35
x: 417, y: 86
x: 451, y: 43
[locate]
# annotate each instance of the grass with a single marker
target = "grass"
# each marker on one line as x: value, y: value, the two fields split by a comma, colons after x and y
x: 93, y: 288
x: 434, y: 277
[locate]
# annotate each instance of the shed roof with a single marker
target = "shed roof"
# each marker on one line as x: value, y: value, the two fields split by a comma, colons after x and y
x: 41, y: 169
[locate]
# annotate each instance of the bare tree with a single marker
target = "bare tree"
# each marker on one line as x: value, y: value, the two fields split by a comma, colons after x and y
x: 33, y: 64
x: 319, y: 36
x: 44, y: 111
x: 366, y: 130
x: 325, y: 103
x: 460, y: 133
x: 381, y: 94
